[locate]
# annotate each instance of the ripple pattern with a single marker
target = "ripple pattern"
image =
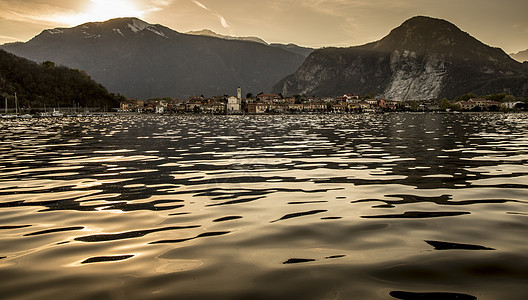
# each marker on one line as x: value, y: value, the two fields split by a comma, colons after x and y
x: 391, y: 206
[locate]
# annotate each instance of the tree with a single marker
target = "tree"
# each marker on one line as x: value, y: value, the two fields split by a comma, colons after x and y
x: 496, y: 97
x: 468, y: 96
x: 298, y: 99
x: 45, y: 84
x: 244, y: 105
x: 414, y: 105
x: 445, y: 104
x: 48, y: 64
x: 509, y: 98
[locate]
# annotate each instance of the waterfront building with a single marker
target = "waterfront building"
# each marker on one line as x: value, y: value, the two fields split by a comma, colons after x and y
x: 269, y: 97
x: 234, y: 105
x: 257, y: 107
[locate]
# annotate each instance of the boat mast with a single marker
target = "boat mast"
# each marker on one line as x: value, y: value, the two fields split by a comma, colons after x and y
x: 6, y: 105
x: 16, y: 104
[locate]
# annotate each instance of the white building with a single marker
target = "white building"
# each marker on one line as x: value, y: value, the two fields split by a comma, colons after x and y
x: 234, y: 104
x: 351, y: 98
x: 511, y: 105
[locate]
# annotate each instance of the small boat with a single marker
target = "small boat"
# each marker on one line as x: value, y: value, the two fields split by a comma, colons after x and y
x: 8, y: 116
x: 57, y: 113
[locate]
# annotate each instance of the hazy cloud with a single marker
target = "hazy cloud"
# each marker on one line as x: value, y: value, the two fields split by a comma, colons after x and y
x: 32, y: 12
x: 214, y: 13
x: 3, y: 37
x: 157, y: 5
x: 201, y: 5
x: 305, y: 22
x: 65, y: 12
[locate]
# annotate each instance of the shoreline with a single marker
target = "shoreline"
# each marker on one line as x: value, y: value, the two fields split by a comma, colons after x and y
x: 114, y: 114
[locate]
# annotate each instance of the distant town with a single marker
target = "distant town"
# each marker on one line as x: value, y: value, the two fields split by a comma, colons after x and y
x: 348, y: 103
x: 278, y: 104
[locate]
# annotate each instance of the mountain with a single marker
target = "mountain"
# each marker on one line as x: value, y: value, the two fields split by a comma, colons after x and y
x: 520, y: 56
x: 46, y: 85
x: 304, y: 51
x: 141, y: 60
x: 424, y: 58
x: 210, y: 33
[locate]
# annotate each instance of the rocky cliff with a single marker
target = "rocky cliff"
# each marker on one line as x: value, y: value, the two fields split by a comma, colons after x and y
x: 423, y: 58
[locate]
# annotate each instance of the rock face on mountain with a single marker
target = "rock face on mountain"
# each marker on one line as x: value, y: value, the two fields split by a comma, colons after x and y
x: 46, y: 85
x: 137, y: 59
x: 424, y: 58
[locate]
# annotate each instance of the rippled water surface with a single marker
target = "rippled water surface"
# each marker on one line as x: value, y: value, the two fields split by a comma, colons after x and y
x: 395, y: 206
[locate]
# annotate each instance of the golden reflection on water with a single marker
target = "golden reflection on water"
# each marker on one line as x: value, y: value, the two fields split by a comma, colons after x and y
x: 264, y: 207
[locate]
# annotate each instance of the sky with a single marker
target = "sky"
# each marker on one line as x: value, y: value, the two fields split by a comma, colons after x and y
x: 312, y: 23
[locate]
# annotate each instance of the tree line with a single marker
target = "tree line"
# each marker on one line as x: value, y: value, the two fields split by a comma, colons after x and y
x: 47, y: 85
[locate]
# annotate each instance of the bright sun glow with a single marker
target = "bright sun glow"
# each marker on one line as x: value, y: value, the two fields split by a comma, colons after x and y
x: 102, y: 10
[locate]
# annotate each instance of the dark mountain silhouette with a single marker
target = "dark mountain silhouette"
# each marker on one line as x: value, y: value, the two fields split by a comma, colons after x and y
x: 46, y: 85
x: 423, y: 58
x: 137, y: 59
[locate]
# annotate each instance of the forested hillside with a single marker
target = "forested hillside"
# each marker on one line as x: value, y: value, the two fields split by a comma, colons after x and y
x: 48, y: 85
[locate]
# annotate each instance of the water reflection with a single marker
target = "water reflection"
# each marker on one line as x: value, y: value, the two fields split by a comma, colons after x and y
x: 265, y: 207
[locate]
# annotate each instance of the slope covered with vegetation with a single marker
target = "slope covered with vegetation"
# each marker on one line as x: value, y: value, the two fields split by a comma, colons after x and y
x: 48, y: 85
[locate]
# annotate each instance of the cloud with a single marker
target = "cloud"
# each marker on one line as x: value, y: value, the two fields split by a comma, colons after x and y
x: 160, y: 3
x: 61, y: 12
x: 214, y: 13
x: 31, y: 12
x: 201, y: 5
x: 224, y: 22
x: 345, y: 7
x: 4, y: 37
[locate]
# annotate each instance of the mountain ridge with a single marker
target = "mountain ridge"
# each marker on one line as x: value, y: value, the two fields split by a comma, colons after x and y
x: 142, y: 60
x: 208, y: 32
x: 137, y: 59
x: 423, y: 58
x: 304, y: 51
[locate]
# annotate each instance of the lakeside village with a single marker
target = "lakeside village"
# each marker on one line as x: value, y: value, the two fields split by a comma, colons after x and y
x: 277, y: 104
x: 348, y: 103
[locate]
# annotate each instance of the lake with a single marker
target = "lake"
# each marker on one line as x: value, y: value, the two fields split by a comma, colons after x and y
x: 391, y: 206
